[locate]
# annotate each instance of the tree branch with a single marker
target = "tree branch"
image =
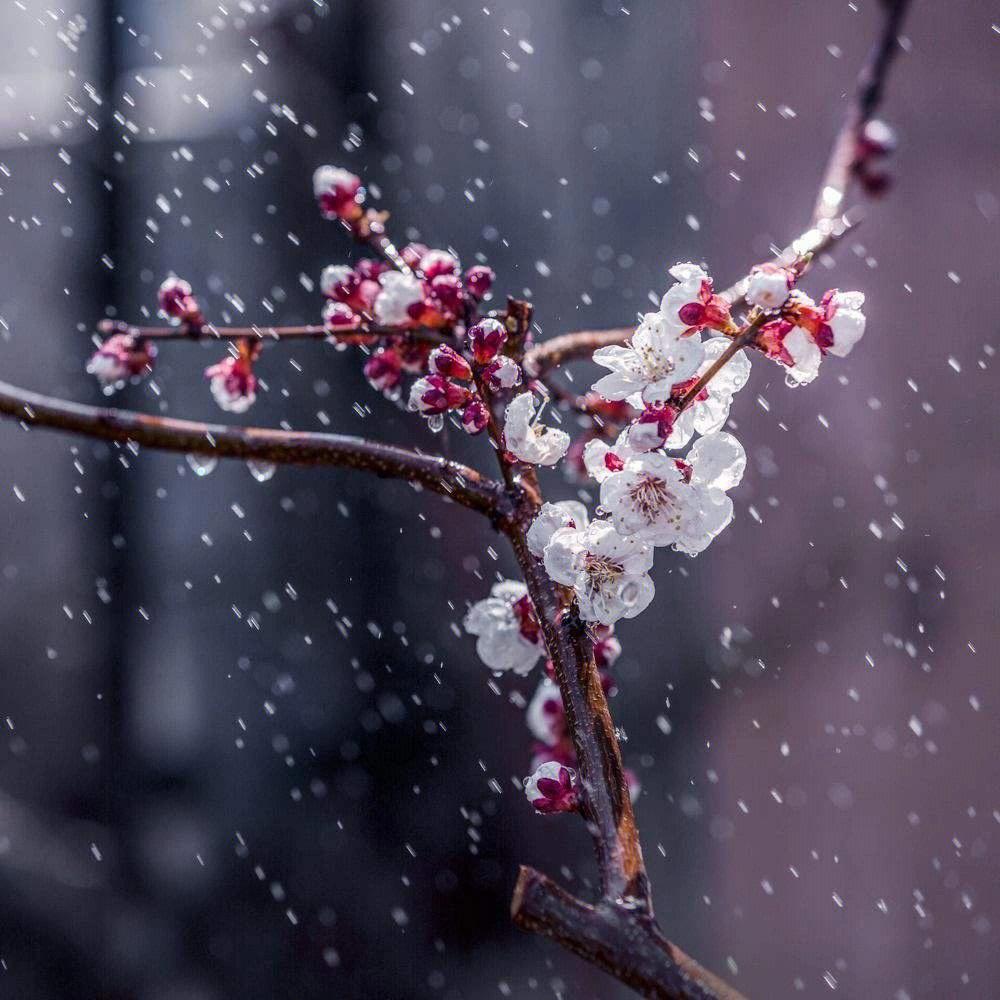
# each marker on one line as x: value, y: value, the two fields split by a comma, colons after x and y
x: 369, y: 334
x: 456, y: 482
x: 626, y: 944
x: 868, y: 94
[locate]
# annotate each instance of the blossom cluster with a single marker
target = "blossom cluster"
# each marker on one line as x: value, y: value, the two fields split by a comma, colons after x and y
x: 663, y: 477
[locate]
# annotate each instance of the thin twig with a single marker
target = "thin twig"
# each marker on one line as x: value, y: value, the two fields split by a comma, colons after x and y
x: 457, y: 482
x: 368, y: 334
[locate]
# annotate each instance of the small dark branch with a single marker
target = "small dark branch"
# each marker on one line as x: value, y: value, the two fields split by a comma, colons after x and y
x: 868, y: 95
x: 608, y: 809
x: 456, y: 482
x: 627, y: 945
x: 745, y: 335
x: 370, y: 334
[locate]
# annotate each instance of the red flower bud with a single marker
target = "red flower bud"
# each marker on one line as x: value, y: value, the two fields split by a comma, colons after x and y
x: 479, y: 280
x: 476, y: 417
x: 447, y: 361
x: 486, y: 338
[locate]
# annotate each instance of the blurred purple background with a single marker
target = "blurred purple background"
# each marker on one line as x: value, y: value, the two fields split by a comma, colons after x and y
x: 245, y: 752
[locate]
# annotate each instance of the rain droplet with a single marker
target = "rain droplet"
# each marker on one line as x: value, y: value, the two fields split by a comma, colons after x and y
x: 202, y: 465
x: 261, y: 471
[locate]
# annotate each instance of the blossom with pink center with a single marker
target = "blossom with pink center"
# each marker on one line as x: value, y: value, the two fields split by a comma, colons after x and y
x: 479, y: 280
x: 398, y: 291
x: 526, y: 439
x: 768, y: 285
x: 446, y: 361
x: 794, y: 346
x: 383, y: 369
x: 550, y: 518
x: 338, y: 192
x: 177, y: 302
x: 664, y: 501
x: 486, y: 338
x: 233, y: 383
x: 691, y: 304
x: 475, y: 417
x: 121, y: 357
x: 552, y: 788
x: 502, y: 373
x: 433, y: 394
x: 545, y: 716
x: 508, y: 636
x: 660, y: 355
x: 608, y: 572
x: 602, y: 459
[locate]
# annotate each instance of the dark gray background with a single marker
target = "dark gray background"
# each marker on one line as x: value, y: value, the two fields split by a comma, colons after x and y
x: 225, y: 702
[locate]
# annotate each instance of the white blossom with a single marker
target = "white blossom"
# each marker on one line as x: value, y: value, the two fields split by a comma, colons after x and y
x: 662, y: 501
x: 847, y: 322
x: 602, y: 459
x: 768, y: 287
x: 399, y: 291
x: 500, y: 624
x: 609, y: 573
x: 805, y: 355
x: 550, y: 518
x: 689, y: 280
x: 658, y: 357
x: 528, y: 441
x: 328, y: 178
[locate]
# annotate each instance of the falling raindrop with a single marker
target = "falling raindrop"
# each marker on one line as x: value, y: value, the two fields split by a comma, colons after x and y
x: 261, y: 471
x: 202, y: 465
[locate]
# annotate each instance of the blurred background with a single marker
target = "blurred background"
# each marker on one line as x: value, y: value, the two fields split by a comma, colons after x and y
x: 246, y: 752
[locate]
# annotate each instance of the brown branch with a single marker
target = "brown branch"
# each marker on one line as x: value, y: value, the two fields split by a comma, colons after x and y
x: 369, y: 334
x: 457, y: 482
x: 871, y: 83
x: 626, y: 944
x: 619, y: 933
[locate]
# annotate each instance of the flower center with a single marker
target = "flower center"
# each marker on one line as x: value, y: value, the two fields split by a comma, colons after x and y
x: 649, y: 497
x: 601, y: 570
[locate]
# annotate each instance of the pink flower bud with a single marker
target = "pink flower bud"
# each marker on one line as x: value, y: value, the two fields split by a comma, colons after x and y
x: 502, y: 373
x: 437, y: 262
x: 446, y: 295
x: 233, y: 383
x: 476, y: 417
x: 383, y: 368
x: 479, y: 280
x: 433, y: 394
x: 338, y: 192
x: 176, y: 302
x: 552, y: 788
x: 339, y: 316
x: 486, y: 338
x: 876, y: 140
x: 413, y: 254
x: 445, y: 360
x: 653, y: 427
x: 120, y: 357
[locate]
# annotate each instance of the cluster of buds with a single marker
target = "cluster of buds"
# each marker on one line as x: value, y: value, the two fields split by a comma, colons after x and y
x: 232, y: 381
x: 804, y: 331
x: 177, y: 303
x: 121, y: 357
x: 876, y: 142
